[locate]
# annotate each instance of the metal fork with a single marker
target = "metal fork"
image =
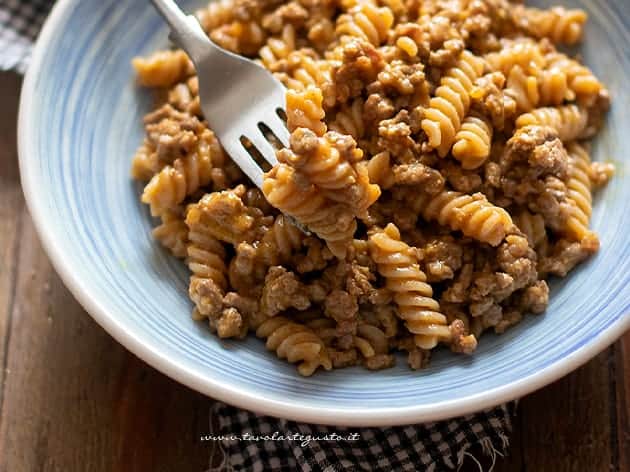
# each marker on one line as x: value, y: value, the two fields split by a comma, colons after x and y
x: 238, y: 97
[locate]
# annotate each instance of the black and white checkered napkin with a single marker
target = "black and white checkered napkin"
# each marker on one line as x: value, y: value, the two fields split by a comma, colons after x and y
x: 258, y: 443
x: 20, y: 22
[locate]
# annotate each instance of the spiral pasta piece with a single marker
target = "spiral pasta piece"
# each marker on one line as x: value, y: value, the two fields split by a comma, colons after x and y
x: 206, y: 261
x: 533, y: 227
x: 295, y: 343
x: 334, y: 224
x: 163, y: 69
x: 380, y: 170
x: 443, y: 117
x: 525, y: 54
x: 306, y: 73
x: 371, y: 341
x: 553, y: 87
x: 580, y: 79
x: 579, y: 187
x: 145, y: 163
x: 280, y: 242
x: 240, y: 37
x: 349, y: 120
x: 558, y: 24
x: 225, y: 216
x: 169, y: 187
x: 366, y: 21
x: 331, y: 163
x: 305, y: 110
x: 412, y: 294
x: 523, y: 88
x: 472, y: 142
x: 278, y: 49
x: 473, y: 215
x: 569, y: 121
x: 172, y: 233
x: 217, y: 13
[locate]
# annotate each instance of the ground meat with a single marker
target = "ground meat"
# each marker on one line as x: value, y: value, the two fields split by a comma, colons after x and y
x: 403, y: 217
x: 304, y: 143
x: 458, y: 291
x: 535, y: 298
x: 532, y: 170
x: 509, y: 318
x: 597, y: 113
x: 206, y: 295
x: 230, y: 324
x: 358, y: 283
x: 246, y: 306
x: 402, y: 78
x: 461, y: 180
x: 441, y: 43
x: 172, y: 133
x: 489, y: 100
x: 395, y: 136
x: 341, y: 306
x: 377, y: 108
x: 345, y: 358
x: 540, y: 149
x: 316, y: 258
x: 387, y: 317
x: 600, y: 173
x: 551, y: 200
x: 229, y: 219
x: 482, y: 285
x: 441, y: 258
x: 417, y: 173
x: 283, y: 290
x: 418, y: 358
x: 317, y: 291
x: 346, y: 145
x: 244, y: 271
x: 518, y: 259
x: 461, y: 341
x: 361, y: 62
x: 292, y: 13
x: 565, y: 255
x: 380, y: 361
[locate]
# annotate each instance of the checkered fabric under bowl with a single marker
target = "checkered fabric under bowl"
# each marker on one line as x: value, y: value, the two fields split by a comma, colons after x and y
x: 260, y: 443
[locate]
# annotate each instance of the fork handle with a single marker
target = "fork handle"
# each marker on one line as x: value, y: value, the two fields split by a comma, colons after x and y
x: 186, y: 31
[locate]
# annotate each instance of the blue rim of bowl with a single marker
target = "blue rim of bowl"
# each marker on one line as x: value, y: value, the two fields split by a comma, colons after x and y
x: 215, y: 388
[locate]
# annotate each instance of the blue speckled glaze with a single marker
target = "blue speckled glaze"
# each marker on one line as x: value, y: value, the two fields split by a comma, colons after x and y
x: 80, y: 123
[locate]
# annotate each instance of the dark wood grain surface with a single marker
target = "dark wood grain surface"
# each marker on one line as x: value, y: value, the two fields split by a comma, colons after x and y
x: 72, y: 399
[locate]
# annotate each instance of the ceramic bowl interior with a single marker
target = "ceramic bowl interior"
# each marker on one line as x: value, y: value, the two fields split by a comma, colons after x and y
x: 80, y: 123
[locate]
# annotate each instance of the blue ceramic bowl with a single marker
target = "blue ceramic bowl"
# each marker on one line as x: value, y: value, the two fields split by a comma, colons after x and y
x: 80, y: 122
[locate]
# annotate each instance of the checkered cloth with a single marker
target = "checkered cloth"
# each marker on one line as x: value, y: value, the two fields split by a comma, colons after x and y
x: 20, y: 22
x: 258, y: 443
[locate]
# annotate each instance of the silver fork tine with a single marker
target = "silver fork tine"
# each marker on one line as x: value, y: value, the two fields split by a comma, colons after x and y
x: 235, y: 93
x: 239, y: 154
x: 278, y: 128
x: 258, y: 139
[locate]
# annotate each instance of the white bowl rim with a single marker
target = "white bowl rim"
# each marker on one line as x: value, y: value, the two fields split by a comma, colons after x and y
x: 247, y: 399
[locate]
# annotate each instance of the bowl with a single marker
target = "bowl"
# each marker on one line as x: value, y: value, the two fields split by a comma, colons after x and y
x: 79, y: 124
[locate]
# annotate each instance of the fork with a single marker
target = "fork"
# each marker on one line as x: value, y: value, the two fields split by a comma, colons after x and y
x: 239, y: 98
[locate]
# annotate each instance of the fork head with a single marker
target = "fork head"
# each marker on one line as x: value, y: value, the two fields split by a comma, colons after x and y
x: 241, y: 100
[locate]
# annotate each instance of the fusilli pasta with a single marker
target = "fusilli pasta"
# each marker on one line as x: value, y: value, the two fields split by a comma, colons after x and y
x: 295, y: 343
x: 447, y: 109
x: 433, y: 158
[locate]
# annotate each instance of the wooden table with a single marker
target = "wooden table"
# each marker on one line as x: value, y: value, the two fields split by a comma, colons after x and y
x: 72, y: 399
